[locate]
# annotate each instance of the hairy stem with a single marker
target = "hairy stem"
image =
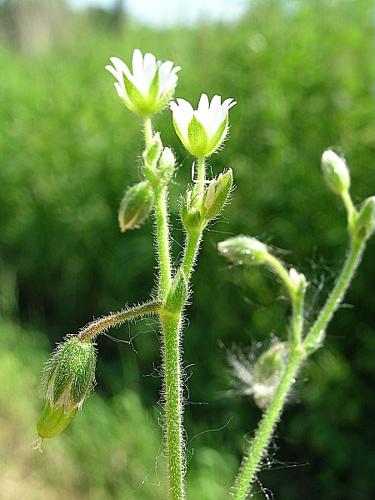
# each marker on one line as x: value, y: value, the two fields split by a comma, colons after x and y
x: 296, y: 297
x: 148, y: 131
x: 193, y: 240
x: 201, y: 176
x: 350, y: 208
x: 316, y: 334
x: 174, y: 441
x: 101, y: 325
x: 162, y: 240
x: 171, y: 325
x: 258, y: 446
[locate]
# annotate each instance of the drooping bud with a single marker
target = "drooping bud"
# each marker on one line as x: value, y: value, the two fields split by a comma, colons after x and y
x: 135, y: 206
x: 68, y: 380
x: 364, y: 224
x: 267, y: 373
x: 178, y: 293
x: 216, y: 195
x: 244, y: 250
x: 336, y: 172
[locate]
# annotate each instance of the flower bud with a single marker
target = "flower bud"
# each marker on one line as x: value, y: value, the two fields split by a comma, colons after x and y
x: 364, y: 224
x: 68, y: 381
x: 216, y: 195
x: 298, y: 281
x: 336, y: 172
x: 267, y: 373
x: 244, y: 250
x: 135, y: 206
x: 166, y: 164
x: 152, y: 154
x: 190, y: 213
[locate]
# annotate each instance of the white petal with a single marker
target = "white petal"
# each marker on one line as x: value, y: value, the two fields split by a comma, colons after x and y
x: 182, y: 114
x: 113, y: 71
x: 203, y: 104
x: 149, y: 69
x: 120, y: 66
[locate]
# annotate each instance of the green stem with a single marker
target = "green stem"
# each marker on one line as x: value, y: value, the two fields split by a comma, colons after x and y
x: 162, y: 239
x: 171, y: 326
x: 192, y: 243
x: 350, y: 208
x: 162, y: 226
x: 296, y: 295
x: 201, y: 175
x: 258, y: 446
x: 101, y: 325
x: 316, y: 334
x: 148, y: 131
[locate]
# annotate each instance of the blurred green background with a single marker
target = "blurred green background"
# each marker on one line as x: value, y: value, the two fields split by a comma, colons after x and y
x: 303, y: 74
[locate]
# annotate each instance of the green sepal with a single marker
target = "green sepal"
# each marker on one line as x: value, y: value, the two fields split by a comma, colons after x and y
x: 190, y: 214
x: 84, y: 372
x: 244, y: 250
x: 54, y: 420
x: 219, y: 137
x: 197, y: 138
x: 178, y: 293
x: 152, y: 154
x: 136, y: 206
x: 63, y: 372
x: 153, y: 92
x: 180, y: 135
x: 364, y: 223
x: 216, y: 195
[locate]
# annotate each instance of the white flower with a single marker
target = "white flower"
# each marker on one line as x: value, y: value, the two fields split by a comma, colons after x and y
x: 149, y: 87
x: 201, y: 131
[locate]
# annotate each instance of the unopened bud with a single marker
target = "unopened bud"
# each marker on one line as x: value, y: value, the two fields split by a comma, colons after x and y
x: 267, y: 373
x: 336, y: 172
x: 298, y: 280
x: 153, y: 152
x: 364, y: 224
x: 166, y: 164
x: 216, y: 195
x: 190, y: 214
x: 244, y: 250
x: 68, y: 381
x: 135, y: 206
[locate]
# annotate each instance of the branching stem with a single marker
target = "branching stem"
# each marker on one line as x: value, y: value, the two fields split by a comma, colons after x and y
x: 299, y: 352
x: 98, y: 326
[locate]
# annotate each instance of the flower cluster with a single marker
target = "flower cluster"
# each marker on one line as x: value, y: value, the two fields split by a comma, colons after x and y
x: 149, y: 87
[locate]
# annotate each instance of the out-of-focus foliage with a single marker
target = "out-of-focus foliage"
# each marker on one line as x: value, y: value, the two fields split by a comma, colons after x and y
x: 303, y: 74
